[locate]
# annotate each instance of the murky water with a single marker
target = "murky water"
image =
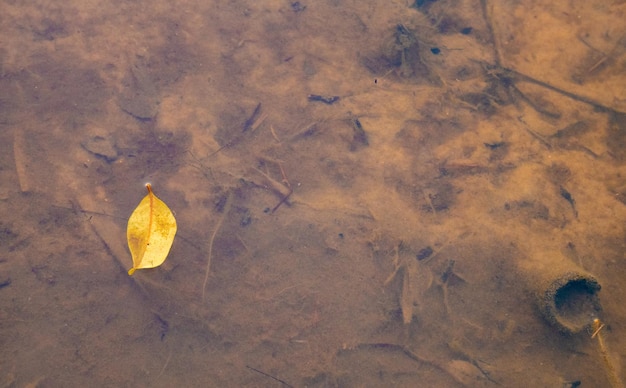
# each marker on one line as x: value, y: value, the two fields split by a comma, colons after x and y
x: 367, y: 193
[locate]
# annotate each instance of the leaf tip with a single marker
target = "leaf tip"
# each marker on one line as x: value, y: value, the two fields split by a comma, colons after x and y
x: 131, y: 271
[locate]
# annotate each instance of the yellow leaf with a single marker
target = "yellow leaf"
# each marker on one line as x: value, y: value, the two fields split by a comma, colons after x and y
x: 150, y: 232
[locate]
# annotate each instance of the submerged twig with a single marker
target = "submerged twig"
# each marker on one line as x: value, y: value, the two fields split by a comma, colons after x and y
x: 270, y: 376
x: 611, y: 374
x: 19, y: 158
x: 251, y: 124
x: 211, y: 240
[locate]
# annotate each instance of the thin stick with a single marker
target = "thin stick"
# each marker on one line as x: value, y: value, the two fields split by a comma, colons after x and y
x: 258, y: 122
x: 217, y: 228
x: 252, y: 123
x: 491, y: 28
x: 274, y: 133
x: 253, y: 119
x: 606, y: 359
x: 164, y: 366
x: 277, y: 186
x: 19, y: 158
x: 283, y: 200
x: 270, y: 376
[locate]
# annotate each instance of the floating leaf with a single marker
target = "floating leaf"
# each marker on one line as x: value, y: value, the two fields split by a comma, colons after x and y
x: 151, y: 230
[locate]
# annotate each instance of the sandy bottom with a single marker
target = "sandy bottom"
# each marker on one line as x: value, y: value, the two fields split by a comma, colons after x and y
x: 366, y: 194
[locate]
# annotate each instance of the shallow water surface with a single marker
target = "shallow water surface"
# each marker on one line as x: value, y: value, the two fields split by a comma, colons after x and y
x: 367, y: 193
